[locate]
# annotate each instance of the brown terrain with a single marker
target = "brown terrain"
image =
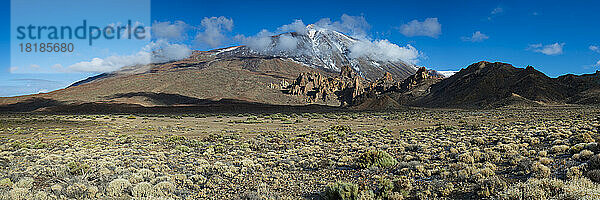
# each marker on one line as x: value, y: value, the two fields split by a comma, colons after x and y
x: 256, y: 127
x: 211, y: 82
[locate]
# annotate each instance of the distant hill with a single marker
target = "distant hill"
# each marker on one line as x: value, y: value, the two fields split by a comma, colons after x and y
x: 486, y: 84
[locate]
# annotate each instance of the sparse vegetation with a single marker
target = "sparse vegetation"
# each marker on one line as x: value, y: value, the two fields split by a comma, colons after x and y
x: 341, y: 191
x: 375, y: 158
x: 433, y: 154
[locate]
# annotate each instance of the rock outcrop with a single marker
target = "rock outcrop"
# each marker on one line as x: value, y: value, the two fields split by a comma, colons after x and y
x: 421, y: 76
x: 351, y: 90
x: 316, y: 87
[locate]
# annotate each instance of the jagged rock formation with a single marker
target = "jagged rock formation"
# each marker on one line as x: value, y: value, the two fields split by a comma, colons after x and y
x: 316, y: 87
x: 421, y: 76
x: 352, y: 90
x: 387, y: 93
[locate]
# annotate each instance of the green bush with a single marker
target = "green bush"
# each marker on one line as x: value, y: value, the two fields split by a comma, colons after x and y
x: 176, y: 139
x: 376, y: 158
x: 335, y: 132
x: 182, y: 148
x: 385, y: 188
x: 594, y: 175
x: 77, y: 168
x: 594, y: 162
x: 341, y: 128
x: 341, y: 191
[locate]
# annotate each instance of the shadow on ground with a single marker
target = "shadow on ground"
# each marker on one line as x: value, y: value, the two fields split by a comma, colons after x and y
x: 169, y: 103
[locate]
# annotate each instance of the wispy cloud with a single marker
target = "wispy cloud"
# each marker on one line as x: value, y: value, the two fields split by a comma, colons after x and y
x: 155, y: 52
x: 595, y: 48
x: 13, y: 69
x: 165, y: 46
x: 496, y: 11
x: 355, y: 26
x: 111, y: 63
x: 297, y: 26
x: 35, y: 80
x: 170, y: 31
x: 430, y: 27
x: 34, y: 67
x: 214, y: 33
x: 476, y: 37
x: 549, y: 49
x: 384, y: 50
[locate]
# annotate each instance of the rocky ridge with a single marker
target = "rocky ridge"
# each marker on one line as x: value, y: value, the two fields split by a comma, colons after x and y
x: 352, y: 90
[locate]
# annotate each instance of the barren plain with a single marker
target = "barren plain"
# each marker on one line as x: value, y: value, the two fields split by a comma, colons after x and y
x: 537, y: 153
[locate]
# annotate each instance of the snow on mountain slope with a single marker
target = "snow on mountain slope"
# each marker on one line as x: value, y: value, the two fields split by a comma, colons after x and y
x: 447, y: 74
x: 328, y: 50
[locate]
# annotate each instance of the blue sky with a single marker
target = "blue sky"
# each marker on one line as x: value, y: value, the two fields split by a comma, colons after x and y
x: 556, y: 37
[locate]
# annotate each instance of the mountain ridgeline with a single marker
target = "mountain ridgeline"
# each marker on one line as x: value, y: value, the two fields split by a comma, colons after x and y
x: 327, y: 50
x: 480, y: 85
x: 485, y: 84
x: 317, y: 74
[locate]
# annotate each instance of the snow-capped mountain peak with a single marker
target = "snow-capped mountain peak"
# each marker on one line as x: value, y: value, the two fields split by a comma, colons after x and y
x: 326, y: 49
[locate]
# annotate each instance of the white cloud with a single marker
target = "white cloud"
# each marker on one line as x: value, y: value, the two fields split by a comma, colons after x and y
x: 157, y: 51
x: 598, y: 63
x: 260, y: 42
x: 384, y: 50
x: 355, y: 26
x: 34, y: 67
x: 169, y: 31
x: 111, y: 63
x: 550, y: 49
x: 531, y: 46
x: 214, y: 31
x: 124, y: 34
x: 296, y: 26
x: 497, y: 10
x: 263, y: 42
x: 57, y: 67
x: 287, y: 42
x: 430, y: 28
x: 595, y: 48
x: 263, y: 39
x: 13, y: 69
x: 476, y: 37
x: 163, y: 51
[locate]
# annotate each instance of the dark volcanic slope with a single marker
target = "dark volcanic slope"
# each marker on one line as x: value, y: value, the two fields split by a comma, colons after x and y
x: 483, y: 84
x: 583, y: 89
